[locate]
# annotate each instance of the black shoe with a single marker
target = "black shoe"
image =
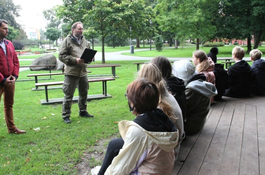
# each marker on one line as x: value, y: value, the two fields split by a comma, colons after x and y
x: 67, y: 120
x: 85, y: 114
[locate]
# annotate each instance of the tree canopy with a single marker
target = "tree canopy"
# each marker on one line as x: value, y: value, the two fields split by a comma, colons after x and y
x: 9, y: 11
x: 53, y: 34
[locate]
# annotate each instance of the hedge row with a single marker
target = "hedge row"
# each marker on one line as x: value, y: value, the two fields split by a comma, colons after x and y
x: 213, y: 44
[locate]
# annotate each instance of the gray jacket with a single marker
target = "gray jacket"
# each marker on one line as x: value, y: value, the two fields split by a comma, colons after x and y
x: 198, y: 94
x: 69, y: 50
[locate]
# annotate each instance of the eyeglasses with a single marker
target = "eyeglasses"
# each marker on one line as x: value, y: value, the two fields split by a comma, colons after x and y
x: 126, y: 96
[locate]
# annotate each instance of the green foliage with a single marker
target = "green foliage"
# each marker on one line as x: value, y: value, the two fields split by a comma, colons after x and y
x: 187, y: 18
x: 9, y: 11
x: 52, y: 34
x: 115, y: 41
x: 158, y: 42
x: 50, y: 15
x: 66, y: 29
x: 12, y: 34
x: 213, y: 44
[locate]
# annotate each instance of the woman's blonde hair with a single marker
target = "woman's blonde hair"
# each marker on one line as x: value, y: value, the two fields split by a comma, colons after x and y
x: 151, y: 72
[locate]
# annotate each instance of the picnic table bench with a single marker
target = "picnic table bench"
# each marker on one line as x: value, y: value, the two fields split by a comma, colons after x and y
x: 45, y: 74
x: 89, y: 97
x: 228, y: 62
x: 139, y: 63
x: 231, y: 141
x: 113, y: 67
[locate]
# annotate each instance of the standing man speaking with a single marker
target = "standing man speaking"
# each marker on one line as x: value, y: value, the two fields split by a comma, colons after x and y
x: 9, y: 69
x: 75, y: 71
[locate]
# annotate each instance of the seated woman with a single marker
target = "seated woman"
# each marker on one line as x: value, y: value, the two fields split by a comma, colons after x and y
x: 204, y: 65
x: 174, y: 85
x: 198, y: 94
x: 167, y: 102
x: 149, y: 140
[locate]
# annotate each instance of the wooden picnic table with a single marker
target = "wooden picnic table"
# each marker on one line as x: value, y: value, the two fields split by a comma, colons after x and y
x: 113, y: 67
x: 231, y: 142
x: 45, y: 74
x: 139, y: 63
x: 104, y: 94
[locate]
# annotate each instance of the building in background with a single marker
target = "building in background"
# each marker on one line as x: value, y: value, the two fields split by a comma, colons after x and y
x: 33, y: 34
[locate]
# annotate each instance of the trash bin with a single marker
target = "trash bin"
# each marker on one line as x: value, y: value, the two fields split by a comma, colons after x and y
x: 132, y: 49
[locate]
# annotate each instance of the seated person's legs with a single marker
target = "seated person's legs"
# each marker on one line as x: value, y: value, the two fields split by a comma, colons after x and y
x: 112, y: 151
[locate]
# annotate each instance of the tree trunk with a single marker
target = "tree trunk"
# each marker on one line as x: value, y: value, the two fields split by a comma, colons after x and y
x: 176, y: 44
x: 197, y: 44
x: 257, y: 38
x: 249, y: 44
x: 103, y: 50
x: 137, y: 43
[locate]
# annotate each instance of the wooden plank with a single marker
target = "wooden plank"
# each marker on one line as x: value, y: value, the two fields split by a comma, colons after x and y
x: 98, y: 79
x: 249, y: 156
x: 49, y: 88
x: 197, y: 154
x: 215, y: 152
x: 185, y: 149
x: 261, y: 136
x: 102, y: 65
x: 45, y: 74
x: 75, y: 99
x: 231, y: 158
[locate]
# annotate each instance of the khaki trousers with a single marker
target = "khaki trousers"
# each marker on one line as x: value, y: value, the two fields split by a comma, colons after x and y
x: 8, y: 94
x: 69, y: 86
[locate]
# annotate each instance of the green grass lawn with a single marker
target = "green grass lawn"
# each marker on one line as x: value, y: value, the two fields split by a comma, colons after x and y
x: 186, y: 51
x: 51, y: 146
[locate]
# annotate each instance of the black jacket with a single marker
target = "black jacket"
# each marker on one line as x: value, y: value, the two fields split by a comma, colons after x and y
x: 155, y: 121
x: 258, y: 79
x: 239, y: 80
x: 221, y: 80
x: 177, y: 88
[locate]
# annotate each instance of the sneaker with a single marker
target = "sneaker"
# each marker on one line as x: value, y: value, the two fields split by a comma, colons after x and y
x: 85, y: 114
x: 95, y: 170
x: 67, y: 120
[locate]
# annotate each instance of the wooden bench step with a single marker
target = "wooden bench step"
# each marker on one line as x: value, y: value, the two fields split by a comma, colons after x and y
x: 75, y: 99
x: 99, y: 79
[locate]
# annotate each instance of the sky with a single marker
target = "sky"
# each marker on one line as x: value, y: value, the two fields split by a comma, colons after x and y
x: 31, y: 16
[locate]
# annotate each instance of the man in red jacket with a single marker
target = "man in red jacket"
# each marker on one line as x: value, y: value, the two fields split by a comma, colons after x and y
x: 9, y: 69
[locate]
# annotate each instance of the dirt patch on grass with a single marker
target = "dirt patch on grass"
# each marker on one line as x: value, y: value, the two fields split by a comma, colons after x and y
x: 94, y: 156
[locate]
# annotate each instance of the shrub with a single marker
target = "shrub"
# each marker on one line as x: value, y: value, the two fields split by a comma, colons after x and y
x: 213, y: 44
x: 18, y: 45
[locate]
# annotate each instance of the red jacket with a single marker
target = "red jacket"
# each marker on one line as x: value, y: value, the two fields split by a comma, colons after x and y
x: 9, y: 64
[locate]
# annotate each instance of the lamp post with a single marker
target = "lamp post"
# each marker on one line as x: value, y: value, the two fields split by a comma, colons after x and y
x: 131, y: 46
x: 150, y: 35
